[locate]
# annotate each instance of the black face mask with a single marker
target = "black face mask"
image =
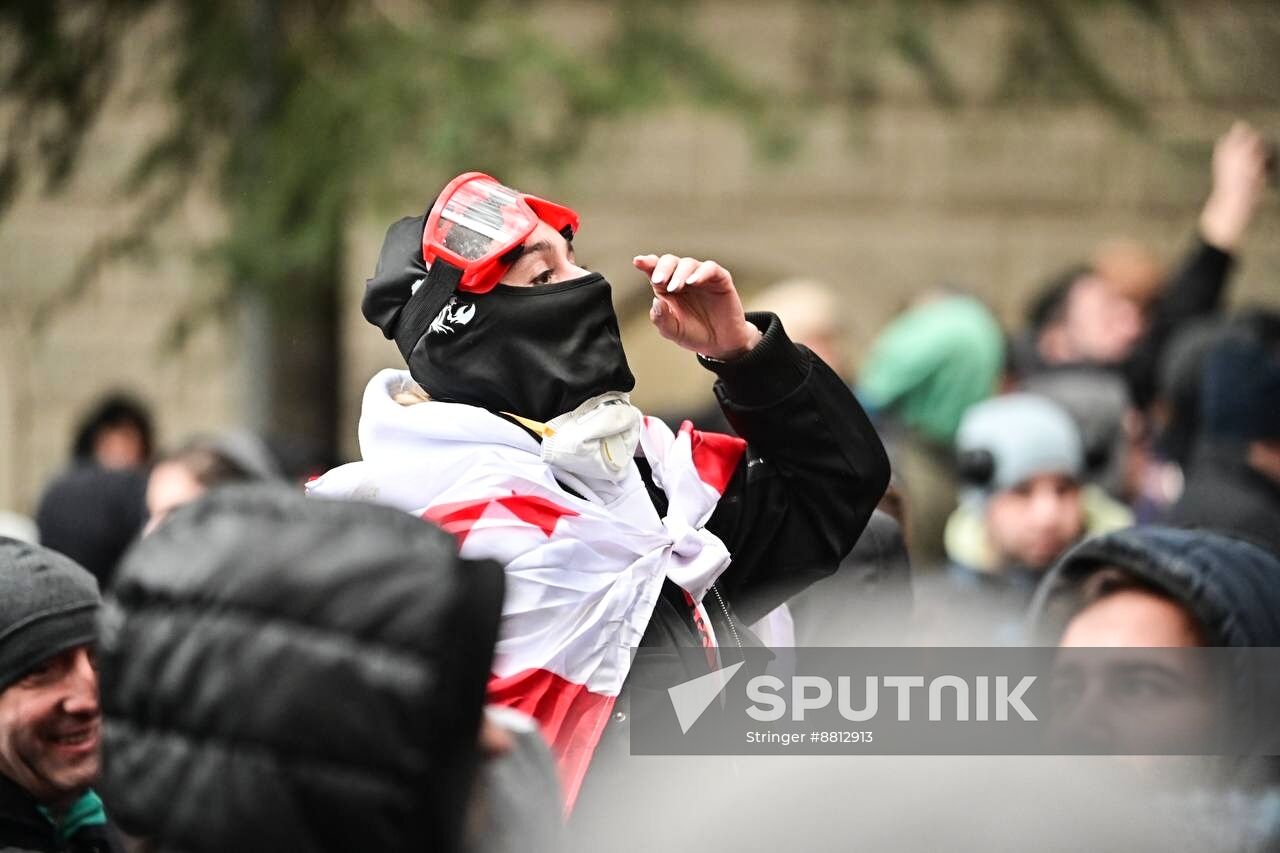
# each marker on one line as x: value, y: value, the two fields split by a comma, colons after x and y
x: 535, y: 351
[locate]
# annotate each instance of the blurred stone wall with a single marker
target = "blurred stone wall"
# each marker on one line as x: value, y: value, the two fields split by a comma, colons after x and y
x: 66, y: 343
x: 883, y: 197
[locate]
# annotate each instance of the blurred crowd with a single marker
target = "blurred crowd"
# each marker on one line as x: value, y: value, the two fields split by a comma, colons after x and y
x: 196, y: 656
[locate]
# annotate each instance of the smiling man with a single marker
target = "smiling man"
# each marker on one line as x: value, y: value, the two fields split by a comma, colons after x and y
x: 50, y: 724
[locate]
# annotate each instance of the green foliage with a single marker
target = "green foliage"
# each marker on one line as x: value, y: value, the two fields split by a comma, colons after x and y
x: 303, y: 110
x: 59, y: 63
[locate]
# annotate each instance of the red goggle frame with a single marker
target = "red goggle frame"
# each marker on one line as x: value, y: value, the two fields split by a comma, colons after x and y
x: 478, y: 226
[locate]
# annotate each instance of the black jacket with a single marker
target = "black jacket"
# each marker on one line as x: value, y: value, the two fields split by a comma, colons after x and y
x: 868, y: 601
x: 812, y: 474
x: 1224, y: 493
x: 23, y: 828
x: 92, y: 514
x: 288, y: 673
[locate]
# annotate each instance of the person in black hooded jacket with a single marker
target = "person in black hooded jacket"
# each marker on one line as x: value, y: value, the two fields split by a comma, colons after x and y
x: 284, y: 673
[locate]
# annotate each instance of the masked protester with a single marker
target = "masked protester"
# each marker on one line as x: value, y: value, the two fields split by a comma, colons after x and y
x: 513, y: 430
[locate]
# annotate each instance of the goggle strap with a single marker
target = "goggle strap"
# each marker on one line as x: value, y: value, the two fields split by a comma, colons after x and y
x: 422, y: 308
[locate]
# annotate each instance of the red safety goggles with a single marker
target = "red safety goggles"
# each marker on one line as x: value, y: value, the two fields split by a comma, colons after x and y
x: 479, y: 225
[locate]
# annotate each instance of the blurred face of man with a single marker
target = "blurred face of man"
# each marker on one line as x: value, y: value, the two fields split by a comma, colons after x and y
x: 50, y: 727
x: 120, y: 446
x: 1132, y: 618
x: 170, y: 486
x: 1139, y: 690
x: 1032, y: 523
x: 1100, y: 325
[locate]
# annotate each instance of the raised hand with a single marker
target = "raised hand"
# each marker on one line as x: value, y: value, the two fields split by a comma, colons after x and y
x: 1239, y: 177
x: 696, y: 306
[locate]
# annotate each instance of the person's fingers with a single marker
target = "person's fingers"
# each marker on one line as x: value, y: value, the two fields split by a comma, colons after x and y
x: 663, y: 268
x: 663, y: 319
x: 645, y: 263
x: 1240, y: 131
x: 681, y: 273
x: 1246, y: 140
x: 707, y: 271
x: 1240, y: 158
x: 1251, y: 137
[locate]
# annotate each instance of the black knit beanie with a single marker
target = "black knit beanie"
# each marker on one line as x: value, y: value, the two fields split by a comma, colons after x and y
x: 48, y: 604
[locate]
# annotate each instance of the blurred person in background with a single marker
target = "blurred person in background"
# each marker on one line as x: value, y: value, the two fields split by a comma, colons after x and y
x: 286, y: 673
x: 922, y: 372
x: 513, y: 430
x: 117, y: 434
x: 1233, y: 475
x: 94, y: 507
x: 1024, y: 502
x: 1176, y: 411
x: 1174, y: 421
x: 810, y: 313
x: 201, y: 464
x: 869, y: 599
x: 50, y: 723
x: 1120, y: 310
x: 1109, y: 429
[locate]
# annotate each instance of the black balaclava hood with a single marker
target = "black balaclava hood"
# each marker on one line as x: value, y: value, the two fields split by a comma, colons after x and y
x: 535, y: 351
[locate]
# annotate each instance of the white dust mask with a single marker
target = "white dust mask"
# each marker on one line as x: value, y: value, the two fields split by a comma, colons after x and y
x: 595, y: 441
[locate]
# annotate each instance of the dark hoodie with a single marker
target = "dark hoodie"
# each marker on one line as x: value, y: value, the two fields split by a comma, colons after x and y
x: 1229, y: 586
x: 92, y: 514
x: 284, y: 673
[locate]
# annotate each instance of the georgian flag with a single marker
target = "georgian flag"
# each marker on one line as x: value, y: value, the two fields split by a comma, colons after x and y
x: 583, y: 571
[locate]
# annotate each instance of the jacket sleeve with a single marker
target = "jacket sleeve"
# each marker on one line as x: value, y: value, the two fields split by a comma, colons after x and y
x: 812, y: 474
x: 1194, y: 291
